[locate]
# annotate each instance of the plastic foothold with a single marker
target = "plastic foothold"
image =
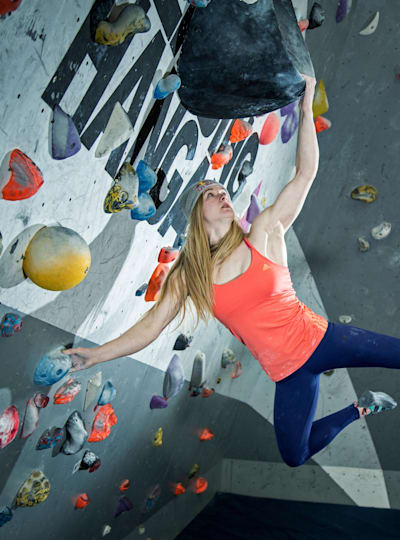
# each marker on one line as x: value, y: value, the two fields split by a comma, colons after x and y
x: 156, y: 280
x: 131, y: 20
x: 41, y: 400
x: 363, y: 244
x: 76, y: 434
x: 228, y: 357
x: 57, y: 258
x: 152, y: 498
x: 52, y: 367
x: 245, y: 170
x: 167, y: 255
x: 108, y: 393
x: 343, y: 9
x: 381, y: 231
x: 92, y: 388
x: 82, y: 501
x: 157, y: 440
x: 365, y: 193
x: 50, y: 438
x: 329, y: 372
x: 182, y: 342
x: 199, y: 3
x: 34, y: 490
x: 147, y: 177
x: 104, y: 420
x: 65, y: 141
x: 67, y: 391
x: 179, y: 489
x: 222, y: 157
x: 146, y: 208
x: 253, y: 209
x: 206, y: 435
x: 31, y: 419
x: 90, y: 461
x: 270, y: 129
x: 125, y: 485
x: 197, y: 379
x: 10, y: 324
x: 167, y: 86
x: 289, y: 126
x: 106, y: 530
x: 117, y: 131
x: 9, y: 424
x: 240, y: 130
x: 124, y: 505
x: 206, y: 392
x: 158, y: 402
x: 303, y: 24
x: 6, y: 6
x: 320, y: 103
x: 6, y: 515
x: 200, y: 485
x: 141, y: 290
x: 237, y: 370
x: 322, y: 124
x: 141, y: 529
x: 316, y: 16
x: 194, y: 470
x: 124, y: 191
x: 371, y: 27
x: 174, y: 378
x: 345, y: 319
x: 25, y: 178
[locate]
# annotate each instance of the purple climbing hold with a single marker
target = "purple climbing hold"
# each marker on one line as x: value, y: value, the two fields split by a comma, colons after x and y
x: 288, y: 108
x: 289, y: 127
x: 174, y: 378
x: 5, y: 515
x: 10, y: 324
x: 253, y: 209
x: 343, y: 9
x: 158, y: 402
x: 124, y: 505
x: 65, y: 141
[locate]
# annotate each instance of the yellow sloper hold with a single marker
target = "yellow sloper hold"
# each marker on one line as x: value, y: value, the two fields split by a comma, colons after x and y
x: 365, y: 193
x: 34, y: 490
x: 57, y: 258
x: 157, y: 441
x: 320, y: 103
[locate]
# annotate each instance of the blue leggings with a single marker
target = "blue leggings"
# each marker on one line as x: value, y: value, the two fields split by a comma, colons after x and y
x: 296, y: 396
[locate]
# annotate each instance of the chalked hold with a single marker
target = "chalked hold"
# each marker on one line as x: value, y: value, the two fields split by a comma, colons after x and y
x: 241, y: 60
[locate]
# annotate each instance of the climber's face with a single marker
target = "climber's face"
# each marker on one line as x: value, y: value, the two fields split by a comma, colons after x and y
x: 217, y: 205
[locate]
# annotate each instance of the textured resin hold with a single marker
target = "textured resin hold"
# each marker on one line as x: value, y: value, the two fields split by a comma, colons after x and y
x: 10, y: 324
x: 158, y: 402
x: 76, y: 434
x: 9, y: 424
x: 34, y: 490
x: 108, y: 393
x: 117, y: 131
x: 222, y: 157
x: 67, y: 391
x: 289, y: 126
x: 124, y: 505
x: 228, y: 357
x: 270, y: 129
x: 365, y: 193
x: 52, y: 367
x: 167, y: 86
x: 158, y: 438
x: 240, y: 130
x: 130, y: 20
x: 320, y: 102
x: 6, y: 515
x: 24, y: 179
x: 316, y: 16
x: 123, y: 194
x: 31, y: 419
x: 65, y: 141
x: 343, y: 9
x: 104, y: 420
x: 174, y: 378
x: 381, y: 231
x: 182, y: 342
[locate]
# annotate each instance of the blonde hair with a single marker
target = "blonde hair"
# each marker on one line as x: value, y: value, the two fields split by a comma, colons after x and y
x: 191, y: 275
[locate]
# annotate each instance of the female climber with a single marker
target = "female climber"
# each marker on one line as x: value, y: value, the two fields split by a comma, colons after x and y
x: 244, y: 281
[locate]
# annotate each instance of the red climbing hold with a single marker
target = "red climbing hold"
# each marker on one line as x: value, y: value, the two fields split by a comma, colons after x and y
x: 222, y: 157
x: 237, y: 370
x: 206, y: 435
x: 156, y: 281
x: 321, y: 124
x: 82, y: 501
x: 206, y: 392
x: 200, y: 485
x: 303, y: 24
x: 270, y: 129
x: 9, y: 424
x: 104, y: 420
x: 179, y: 489
x: 168, y: 254
x: 6, y: 6
x: 125, y: 485
x: 25, y: 178
x: 240, y: 130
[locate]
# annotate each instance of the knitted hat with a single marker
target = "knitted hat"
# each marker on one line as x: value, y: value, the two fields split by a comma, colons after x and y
x: 189, y: 197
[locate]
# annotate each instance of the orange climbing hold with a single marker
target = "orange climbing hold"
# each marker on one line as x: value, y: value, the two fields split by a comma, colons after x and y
x: 6, y: 6
x: 200, y: 485
x: 125, y: 485
x: 168, y: 254
x: 240, y: 130
x: 104, y: 420
x: 321, y: 124
x: 206, y: 392
x: 270, y: 129
x: 222, y: 157
x: 156, y: 281
x: 206, y: 435
x: 82, y: 501
x: 303, y: 24
x: 25, y: 178
x: 179, y: 489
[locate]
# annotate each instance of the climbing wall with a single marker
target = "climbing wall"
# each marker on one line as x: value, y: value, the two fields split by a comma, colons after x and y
x: 82, y: 119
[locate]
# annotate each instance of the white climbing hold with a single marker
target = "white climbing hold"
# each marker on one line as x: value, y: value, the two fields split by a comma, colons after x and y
x: 371, y: 27
x: 92, y: 390
x: 381, y: 231
x: 118, y: 130
x: 345, y: 319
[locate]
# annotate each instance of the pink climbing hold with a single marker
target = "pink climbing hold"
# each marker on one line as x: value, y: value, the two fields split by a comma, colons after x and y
x: 237, y: 370
x: 9, y: 424
x: 270, y: 129
x: 31, y: 419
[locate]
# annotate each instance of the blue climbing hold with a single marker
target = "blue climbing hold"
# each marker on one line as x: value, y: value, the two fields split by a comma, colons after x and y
x: 5, y: 515
x: 199, y: 3
x: 52, y: 367
x: 147, y: 177
x: 166, y: 86
x: 108, y: 393
x: 146, y: 208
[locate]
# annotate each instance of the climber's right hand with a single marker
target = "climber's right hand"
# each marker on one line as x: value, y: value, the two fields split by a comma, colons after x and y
x: 82, y: 358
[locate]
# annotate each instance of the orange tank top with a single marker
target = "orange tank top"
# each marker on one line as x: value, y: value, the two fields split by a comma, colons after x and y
x: 261, y: 309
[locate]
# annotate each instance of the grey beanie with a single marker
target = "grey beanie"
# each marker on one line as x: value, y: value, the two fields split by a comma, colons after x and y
x: 189, y: 197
